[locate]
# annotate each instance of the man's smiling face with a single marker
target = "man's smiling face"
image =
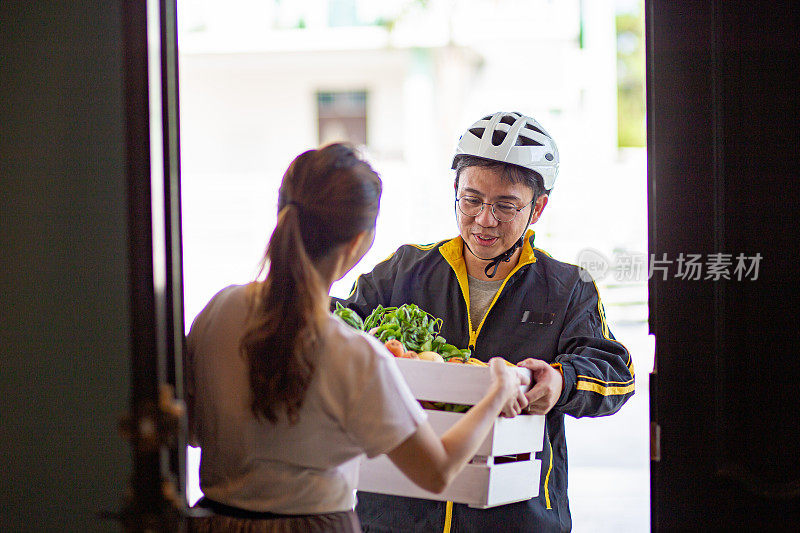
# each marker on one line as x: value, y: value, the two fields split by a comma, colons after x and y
x: 484, y: 234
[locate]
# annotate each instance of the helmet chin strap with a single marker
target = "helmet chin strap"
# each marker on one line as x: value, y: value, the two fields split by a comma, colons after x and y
x: 505, y: 257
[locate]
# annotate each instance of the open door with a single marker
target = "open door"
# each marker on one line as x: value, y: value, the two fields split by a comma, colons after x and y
x: 155, y: 425
x: 90, y: 284
x: 723, y: 170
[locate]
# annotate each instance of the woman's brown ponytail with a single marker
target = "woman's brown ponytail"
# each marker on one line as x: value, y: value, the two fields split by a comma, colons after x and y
x: 327, y: 197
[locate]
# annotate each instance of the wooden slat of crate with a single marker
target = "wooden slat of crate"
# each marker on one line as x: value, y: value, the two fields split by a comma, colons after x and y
x: 521, y: 434
x: 478, y: 485
x: 448, y: 382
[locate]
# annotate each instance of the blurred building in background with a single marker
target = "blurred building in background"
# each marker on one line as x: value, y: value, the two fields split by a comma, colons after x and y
x: 424, y: 67
x: 264, y: 80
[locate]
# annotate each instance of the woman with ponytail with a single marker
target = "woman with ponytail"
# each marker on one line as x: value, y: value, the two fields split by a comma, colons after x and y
x: 284, y: 398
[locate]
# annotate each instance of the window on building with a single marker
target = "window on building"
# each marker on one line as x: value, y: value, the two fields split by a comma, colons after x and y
x: 342, y: 116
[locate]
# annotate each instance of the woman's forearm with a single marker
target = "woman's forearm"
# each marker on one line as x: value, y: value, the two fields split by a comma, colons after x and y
x: 432, y: 462
x: 464, y: 438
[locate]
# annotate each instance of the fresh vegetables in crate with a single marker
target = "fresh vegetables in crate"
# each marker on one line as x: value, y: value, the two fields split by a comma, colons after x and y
x: 417, y: 332
x: 409, y: 332
x: 349, y: 316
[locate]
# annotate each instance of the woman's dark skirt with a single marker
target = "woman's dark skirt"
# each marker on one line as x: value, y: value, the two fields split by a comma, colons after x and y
x: 222, y: 518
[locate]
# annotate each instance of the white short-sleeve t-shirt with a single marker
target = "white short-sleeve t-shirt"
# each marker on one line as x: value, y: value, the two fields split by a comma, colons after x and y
x: 357, y: 403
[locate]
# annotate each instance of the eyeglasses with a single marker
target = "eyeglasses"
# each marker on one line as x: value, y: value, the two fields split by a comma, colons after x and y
x: 472, y: 206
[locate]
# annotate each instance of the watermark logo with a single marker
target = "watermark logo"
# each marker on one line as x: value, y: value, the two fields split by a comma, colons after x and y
x: 595, y: 265
x: 628, y: 266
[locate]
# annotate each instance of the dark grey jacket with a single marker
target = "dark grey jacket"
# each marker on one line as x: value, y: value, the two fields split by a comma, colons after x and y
x: 545, y: 309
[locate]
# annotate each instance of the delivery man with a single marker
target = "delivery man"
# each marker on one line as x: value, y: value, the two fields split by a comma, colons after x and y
x: 499, y: 295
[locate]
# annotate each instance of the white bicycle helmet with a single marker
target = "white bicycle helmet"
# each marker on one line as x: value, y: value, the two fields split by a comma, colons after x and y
x: 512, y: 137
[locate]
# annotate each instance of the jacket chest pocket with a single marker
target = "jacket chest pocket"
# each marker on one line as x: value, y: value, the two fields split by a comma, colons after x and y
x: 519, y: 337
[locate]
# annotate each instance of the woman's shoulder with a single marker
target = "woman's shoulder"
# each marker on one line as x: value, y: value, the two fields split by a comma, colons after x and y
x: 232, y: 295
x: 354, y: 362
x: 224, y: 303
x: 342, y: 341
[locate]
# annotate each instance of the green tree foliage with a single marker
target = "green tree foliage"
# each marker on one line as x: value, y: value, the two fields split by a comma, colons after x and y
x: 630, y: 78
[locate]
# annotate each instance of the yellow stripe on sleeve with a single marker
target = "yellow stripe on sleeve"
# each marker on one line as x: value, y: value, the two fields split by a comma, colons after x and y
x: 547, y: 477
x: 601, y: 382
x: 606, y: 332
x: 604, y: 390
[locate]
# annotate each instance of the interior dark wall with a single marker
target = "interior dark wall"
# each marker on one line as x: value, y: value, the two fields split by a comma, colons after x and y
x: 64, y: 332
x: 724, y: 177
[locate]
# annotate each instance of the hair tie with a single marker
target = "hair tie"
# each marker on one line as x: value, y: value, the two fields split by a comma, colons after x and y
x: 302, y: 210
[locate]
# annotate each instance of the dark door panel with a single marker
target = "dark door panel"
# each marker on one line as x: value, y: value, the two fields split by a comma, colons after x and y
x: 89, y: 322
x: 723, y: 176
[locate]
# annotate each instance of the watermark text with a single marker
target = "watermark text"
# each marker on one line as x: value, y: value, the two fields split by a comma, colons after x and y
x: 627, y: 266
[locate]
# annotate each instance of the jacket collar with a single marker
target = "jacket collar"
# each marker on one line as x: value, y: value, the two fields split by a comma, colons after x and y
x: 453, y: 252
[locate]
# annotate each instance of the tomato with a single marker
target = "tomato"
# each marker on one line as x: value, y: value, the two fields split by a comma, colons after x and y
x: 395, y: 347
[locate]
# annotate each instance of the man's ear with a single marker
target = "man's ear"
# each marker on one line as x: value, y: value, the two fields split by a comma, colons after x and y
x: 538, y: 207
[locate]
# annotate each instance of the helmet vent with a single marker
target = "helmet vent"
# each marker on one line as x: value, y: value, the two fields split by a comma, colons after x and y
x: 511, y: 138
x: 527, y: 141
x: 508, y: 119
x: 534, y: 128
x: 498, y: 137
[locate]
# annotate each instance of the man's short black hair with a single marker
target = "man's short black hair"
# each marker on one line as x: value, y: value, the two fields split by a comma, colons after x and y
x: 509, y: 172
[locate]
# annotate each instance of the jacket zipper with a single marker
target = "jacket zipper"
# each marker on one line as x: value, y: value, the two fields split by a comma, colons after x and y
x: 463, y: 283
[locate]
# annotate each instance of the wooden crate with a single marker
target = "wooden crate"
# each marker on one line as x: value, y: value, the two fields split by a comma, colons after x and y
x: 503, y: 471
